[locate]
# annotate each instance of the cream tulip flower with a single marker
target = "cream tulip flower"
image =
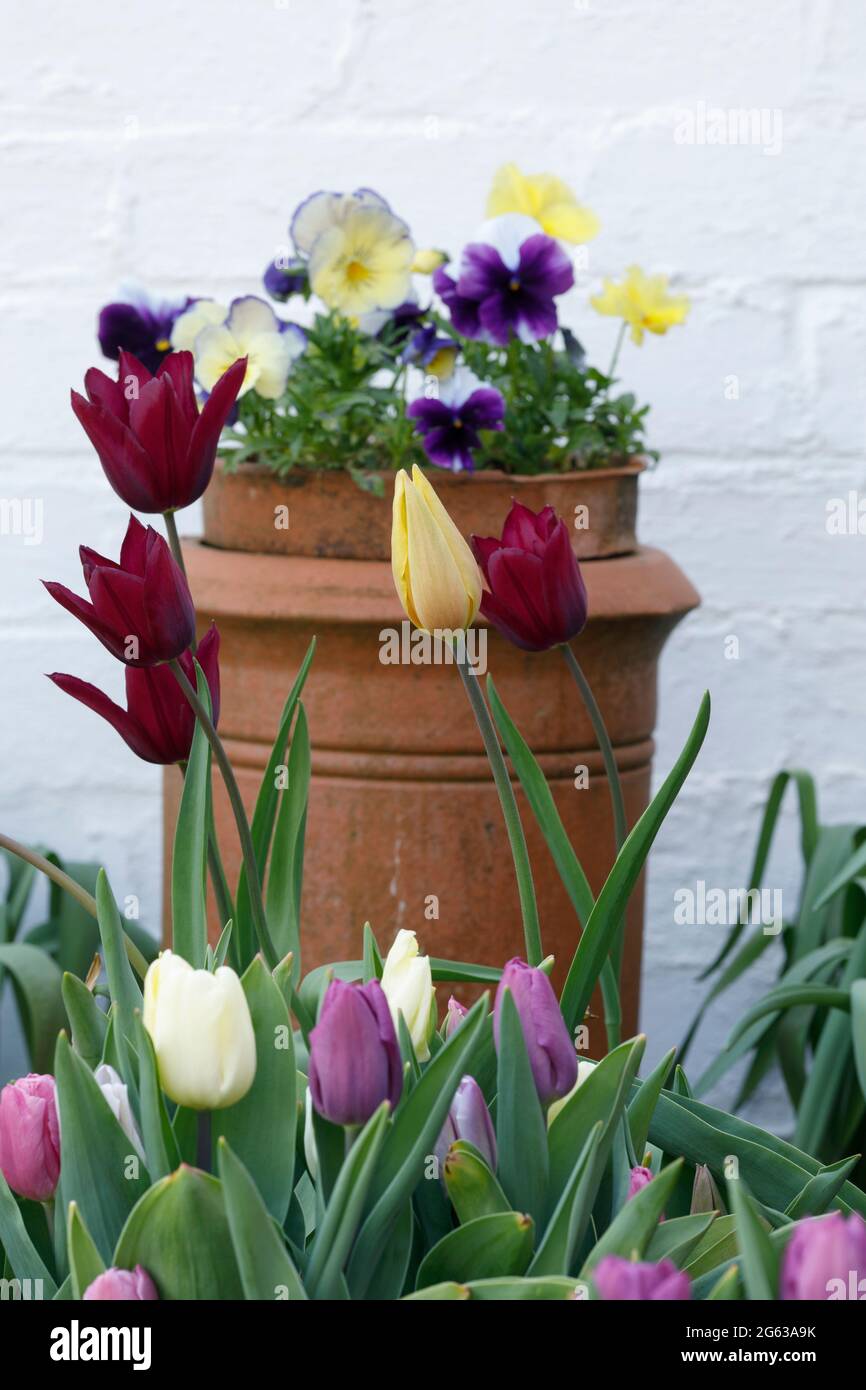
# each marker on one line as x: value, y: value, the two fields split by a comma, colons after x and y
x: 407, y: 982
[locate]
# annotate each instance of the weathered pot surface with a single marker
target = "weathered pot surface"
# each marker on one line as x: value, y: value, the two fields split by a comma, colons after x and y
x: 327, y: 515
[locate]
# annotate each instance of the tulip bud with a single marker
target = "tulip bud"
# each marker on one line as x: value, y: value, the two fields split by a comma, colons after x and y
x: 468, y: 1118
x: 355, y: 1060
x: 408, y: 984
x: 117, y: 1095
x: 627, y: 1280
x: 435, y: 573
x: 455, y: 1016
x: 825, y: 1259
x: 121, y: 1285
x: 202, y: 1033
x: 551, y: 1052
x: 705, y: 1194
x: 30, y: 1136
x: 639, y: 1178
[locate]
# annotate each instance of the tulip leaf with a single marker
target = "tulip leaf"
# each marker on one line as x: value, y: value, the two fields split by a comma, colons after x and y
x: 264, y: 1263
x: 521, y: 1133
x: 633, y: 1227
x: 411, y: 1139
x: 600, y: 932
x: 372, y: 955
x: 160, y: 1145
x: 124, y: 988
x: 601, y: 1096
x: 37, y: 980
x: 788, y: 997
x: 265, y: 812
x: 758, y: 1258
x: 287, y: 853
x: 333, y: 1239
x: 21, y: 1253
x: 269, y: 1107
x: 77, y: 932
x: 439, y: 1293
x: 390, y: 1274
x: 727, y: 1287
x: 471, y: 1185
x: 642, y: 1105
x: 832, y: 1058
x: 461, y: 972
x: 189, y: 855
x: 677, y: 1238
x: 717, y: 1245
x: 179, y: 1232
x: 87, y: 1021
x: 528, y: 1290
x: 567, y: 1225
x: 498, y: 1245
x: 85, y: 1261
x: 858, y: 1029
x: 99, y: 1168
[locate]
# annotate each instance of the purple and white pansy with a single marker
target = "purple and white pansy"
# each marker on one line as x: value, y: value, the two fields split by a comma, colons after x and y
x: 449, y: 423
x: 141, y: 325
x: 506, y: 282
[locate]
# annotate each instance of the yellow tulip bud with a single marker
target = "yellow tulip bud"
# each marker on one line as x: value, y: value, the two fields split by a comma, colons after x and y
x: 201, y: 1031
x: 428, y: 260
x: 407, y: 981
x: 435, y: 572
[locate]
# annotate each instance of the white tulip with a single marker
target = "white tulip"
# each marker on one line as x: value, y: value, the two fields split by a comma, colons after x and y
x: 408, y: 984
x: 117, y: 1095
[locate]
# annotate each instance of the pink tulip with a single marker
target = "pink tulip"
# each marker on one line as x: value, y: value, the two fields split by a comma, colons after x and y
x: 30, y: 1137
x: 121, y: 1286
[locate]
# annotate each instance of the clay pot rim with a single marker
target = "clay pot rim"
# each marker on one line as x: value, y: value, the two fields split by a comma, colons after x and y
x: 296, y: 477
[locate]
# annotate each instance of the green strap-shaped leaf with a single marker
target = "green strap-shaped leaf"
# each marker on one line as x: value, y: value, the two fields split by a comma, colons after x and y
x: 287, y: 851
x: 567, y: 1225
x: 759, y: 1261
x: 715, y: 1247
x: 633, y: 1227
x: 372, y: 955
x: 160, y: 1145
x: 820, y: 1190
x: 833, y: 1053
x: 21, y: 1253
x: 470, y: 1184
x: 677, y: 1238
x: 87, y: 1021
x: 788, y: 997
x: 521, y: 1132
x: 85, y: 1261
x: 125, y: 991
x: 858, y: 1030
x: 333, y: 1239
x: 526, y: 1290
x: 641, y: 1107
x: 600, y: 1097
x: 266, y: 1268
x: 189, y: 856
x: 179, y: 1233
x: 489, y: 1246
x: 37, y: 981
x: 606, y: 915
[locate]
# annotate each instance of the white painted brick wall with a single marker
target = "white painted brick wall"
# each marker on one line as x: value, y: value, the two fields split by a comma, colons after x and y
x: 170, y: 143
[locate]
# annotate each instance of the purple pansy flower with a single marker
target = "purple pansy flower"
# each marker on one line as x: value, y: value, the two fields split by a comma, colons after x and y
x: 139, y: 325
x: 285, y: 277
x: 450, y: 424
x: 506, y: 282
x: 428, y: 349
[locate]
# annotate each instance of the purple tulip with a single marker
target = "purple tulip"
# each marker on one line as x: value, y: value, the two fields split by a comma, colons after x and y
x: 143, y: 327
x: 30, y: 1136
x: 626, y: 1280
x: 455, y: 1016
x: 825, y: 1259
x: 535, y: 592
x: 355, y: 1060
x: 121, y: 1286
x: 141, y: 609
x: 551, y: 1051
x: 158, y: 723
x: 156, y: 448
x: 468, y: 1118
x: 639, y: 1178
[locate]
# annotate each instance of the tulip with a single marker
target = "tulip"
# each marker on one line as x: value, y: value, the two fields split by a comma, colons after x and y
x: 468, y: 1118
x: 705, y: 1194
x: 825, y: 1259
x: 156, y: 448
x: 536, y: 596
x: 158, y: 722
x: 117, y: 1096
x: 121, y: 1285
x: 618, y: 1278
x: 639, y: 1178
x: 455, y: 1016
x: 202, y: 1033
x: 551, y: 1052
x: 141, y: 609
x: 30, y: 1136
x: 437, y: 579
x: 355, y: 1060
x: 407, y: 981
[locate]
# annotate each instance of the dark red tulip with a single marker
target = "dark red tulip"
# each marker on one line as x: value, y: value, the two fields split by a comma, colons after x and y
x: 140, y: 609
x: 158, y: 722
x: 535, y: 592
x: 156, y: 447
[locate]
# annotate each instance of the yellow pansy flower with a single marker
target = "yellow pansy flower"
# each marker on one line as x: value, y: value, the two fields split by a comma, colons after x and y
x: 544, y: 197
x: 362, y: 260
x: 643, y: 302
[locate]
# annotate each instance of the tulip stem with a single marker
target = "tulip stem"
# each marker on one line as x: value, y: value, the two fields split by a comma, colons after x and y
x: 75, y: 890
x: 254, y: 882
x: 517, y: 840
x: 174, y: 541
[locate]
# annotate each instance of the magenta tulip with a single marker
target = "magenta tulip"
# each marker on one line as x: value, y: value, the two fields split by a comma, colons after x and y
x: 140, y: 609
x: 158, y: 722
x: 468, y: 1118
x: 535, y: 592
x: 626, y: 1280
x: 825, y: 1259
x: 455, y: 1016
x: 550, y: 1048
x: 121, y: 1286
x: 30, y: 1137
x: 355, y: 1060
x: 156, y: 448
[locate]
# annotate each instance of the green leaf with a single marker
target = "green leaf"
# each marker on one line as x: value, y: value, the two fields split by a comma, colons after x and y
x: 99, y: 1169
x: 189, y: 855
x: 160, y: 1145
x: 470, y: 1184
x: 85, y: 1261
x: 461, y: 972
x: 179, y: 1232
x: 678, y: 1237
x: 641, y: 1107
x: 727, y: 1287
x: 718, y: 1245
x: 758, y: 1259
x: 21, y: 1253
x: 372, y: 955
x: 787, y: 997
x: 634, y: 1226
x: 525, y: 1290
x: 333, y: 1239
x: 266, y: 1268
x: 37, y: 982
x: 521, y: 1133
x: 269, y: 1108
x: 77, y: 933
x: 567, y: 1225
x: 832, y: 1059
x: 87, y: 1021
x: 439, y: 1293
x: 488, y: 1246
x: 607, y: 913
x: 821, y: 1189
x: 601, y: 1097
x: 286, y: 872
x: 858, y: 1030
x: 124, y: 988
